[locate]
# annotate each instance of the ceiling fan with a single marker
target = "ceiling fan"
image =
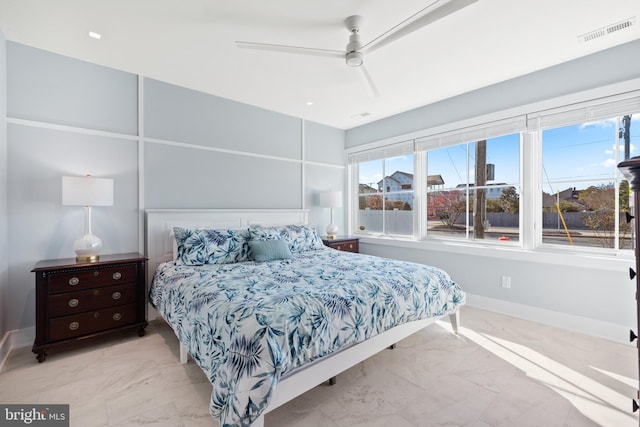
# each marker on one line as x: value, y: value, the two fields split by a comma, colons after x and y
x: 355, y: 50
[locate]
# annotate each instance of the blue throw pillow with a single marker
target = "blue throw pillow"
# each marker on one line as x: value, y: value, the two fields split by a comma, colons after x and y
x: 269, y: 250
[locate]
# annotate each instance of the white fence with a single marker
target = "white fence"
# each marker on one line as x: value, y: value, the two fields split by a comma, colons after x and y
x: 401, y: 221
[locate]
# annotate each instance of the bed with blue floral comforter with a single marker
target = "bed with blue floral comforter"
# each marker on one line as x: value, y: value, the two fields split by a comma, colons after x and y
x: 247, y: 324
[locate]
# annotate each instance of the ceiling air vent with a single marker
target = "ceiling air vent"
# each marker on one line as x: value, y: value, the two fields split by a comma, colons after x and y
x: 608, y: 30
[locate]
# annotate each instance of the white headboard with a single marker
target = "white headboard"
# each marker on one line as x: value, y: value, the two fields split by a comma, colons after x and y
x: 160, y: 223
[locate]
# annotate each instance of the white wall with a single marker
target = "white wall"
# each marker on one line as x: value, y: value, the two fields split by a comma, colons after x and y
x: 164, y: 146
x: 585, y: 293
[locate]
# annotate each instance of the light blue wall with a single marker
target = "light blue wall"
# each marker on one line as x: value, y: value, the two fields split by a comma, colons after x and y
x: 237, y: 156
x: 4, y: 243
x: 50, y: 88
x: 178, y: 177
x: 65, y: 117
x: 187, y: 150
x: 599, y: 291
x: 177, y: 114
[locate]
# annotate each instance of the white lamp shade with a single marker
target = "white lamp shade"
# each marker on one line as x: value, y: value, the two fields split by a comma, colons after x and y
x: 87, y: 191
x: 331, y: 199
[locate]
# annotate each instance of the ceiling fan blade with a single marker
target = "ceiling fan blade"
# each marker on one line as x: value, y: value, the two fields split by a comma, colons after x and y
x: 372, y: 90
x: 416, y: 21
x: 291, y: 49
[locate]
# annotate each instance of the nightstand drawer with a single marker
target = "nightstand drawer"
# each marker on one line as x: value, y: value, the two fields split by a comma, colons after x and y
x: 93, y: 277
x: 93, y: 321
x: 91, y: 299
x: 346, y: 246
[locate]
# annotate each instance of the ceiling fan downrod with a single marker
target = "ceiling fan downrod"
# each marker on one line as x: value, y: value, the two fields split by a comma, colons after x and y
x: 354, y: 57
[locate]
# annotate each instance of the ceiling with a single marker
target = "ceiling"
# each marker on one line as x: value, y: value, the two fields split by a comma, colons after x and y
x: 191, y: 43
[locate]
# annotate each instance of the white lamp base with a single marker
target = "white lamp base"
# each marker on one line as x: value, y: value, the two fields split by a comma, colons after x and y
x: 332, y: 231
x: 87, y: 247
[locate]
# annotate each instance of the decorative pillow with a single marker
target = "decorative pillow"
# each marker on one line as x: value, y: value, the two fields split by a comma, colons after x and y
x: 269, y: 250
x: 202, y: 246
x: 300, y: 238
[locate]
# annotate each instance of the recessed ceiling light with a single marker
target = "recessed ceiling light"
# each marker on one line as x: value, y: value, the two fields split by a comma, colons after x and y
x: 95, y: 35
x: 309, y: 102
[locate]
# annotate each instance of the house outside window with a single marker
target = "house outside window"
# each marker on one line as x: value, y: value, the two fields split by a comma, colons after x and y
x: 385, y: 193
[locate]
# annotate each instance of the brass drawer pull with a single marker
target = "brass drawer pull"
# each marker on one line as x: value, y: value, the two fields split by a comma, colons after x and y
x: 74, y: 281
x: 117, y: 275
x: 96, y: 314
x: 73, y: 302
x: 117, y: 316
x: 116, y: 295
x: 351, y: 246
x: 74, y: 325
x: 96, y: 293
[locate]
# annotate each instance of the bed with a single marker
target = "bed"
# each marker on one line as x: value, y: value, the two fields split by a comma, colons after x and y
x: 266, y: 331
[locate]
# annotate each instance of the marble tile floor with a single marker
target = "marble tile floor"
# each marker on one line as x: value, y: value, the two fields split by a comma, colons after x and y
x: 499, y: 371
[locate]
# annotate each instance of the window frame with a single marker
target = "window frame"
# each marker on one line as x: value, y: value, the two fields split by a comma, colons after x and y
x: 383, y: 152
x: 531, y: 180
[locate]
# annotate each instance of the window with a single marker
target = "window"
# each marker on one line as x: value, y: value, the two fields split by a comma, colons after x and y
x: 473, y: 189
x: 385, y: 199
x: 584, y: 197
x: 544, y: 179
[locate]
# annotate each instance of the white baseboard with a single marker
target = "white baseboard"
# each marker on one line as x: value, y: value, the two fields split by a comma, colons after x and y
x: 15, y: 339
x: 583, y: 325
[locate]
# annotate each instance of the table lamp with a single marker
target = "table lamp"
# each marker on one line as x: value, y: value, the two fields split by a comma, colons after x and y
x: 331, y: 199
x: 87, y: 191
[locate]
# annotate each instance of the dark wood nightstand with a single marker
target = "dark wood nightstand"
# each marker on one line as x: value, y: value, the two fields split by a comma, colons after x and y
x: 80, y: 300
x: 345, y: 243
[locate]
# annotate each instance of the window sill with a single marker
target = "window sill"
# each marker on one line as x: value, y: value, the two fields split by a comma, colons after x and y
x: 614, y: 261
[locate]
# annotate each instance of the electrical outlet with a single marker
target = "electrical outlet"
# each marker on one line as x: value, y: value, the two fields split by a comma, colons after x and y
x: 506, y: 281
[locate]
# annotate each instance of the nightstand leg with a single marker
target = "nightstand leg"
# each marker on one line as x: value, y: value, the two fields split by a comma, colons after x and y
x: 42, y: 356
x: 141, y: 331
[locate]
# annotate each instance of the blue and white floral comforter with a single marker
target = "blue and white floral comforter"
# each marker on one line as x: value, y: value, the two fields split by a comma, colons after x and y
x: 247, y: 324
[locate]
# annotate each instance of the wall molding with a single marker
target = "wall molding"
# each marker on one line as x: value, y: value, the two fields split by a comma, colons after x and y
x: 141, y: 138
x: 71, y: 129
x: 584, y: 325
x: 15, y: 339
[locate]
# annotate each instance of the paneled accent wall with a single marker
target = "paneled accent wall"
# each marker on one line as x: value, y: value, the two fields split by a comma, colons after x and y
x: 165, y: 147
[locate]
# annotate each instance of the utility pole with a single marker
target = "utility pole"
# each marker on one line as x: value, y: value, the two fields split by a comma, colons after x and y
x: 480, y: 207
x: 626, y: 134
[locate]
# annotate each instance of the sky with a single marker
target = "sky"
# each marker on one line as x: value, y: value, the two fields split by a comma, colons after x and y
x: 573, y: 156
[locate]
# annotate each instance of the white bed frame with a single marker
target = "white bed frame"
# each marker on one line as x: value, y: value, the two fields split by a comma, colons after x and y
x: 159, y: 247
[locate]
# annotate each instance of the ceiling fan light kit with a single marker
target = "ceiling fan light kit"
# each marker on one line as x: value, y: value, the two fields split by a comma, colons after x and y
x: 355, y: 50
x: 354, y: 59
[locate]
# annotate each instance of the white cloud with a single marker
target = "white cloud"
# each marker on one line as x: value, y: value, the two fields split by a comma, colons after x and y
x: 600, y: 123
x: 609, y: 163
